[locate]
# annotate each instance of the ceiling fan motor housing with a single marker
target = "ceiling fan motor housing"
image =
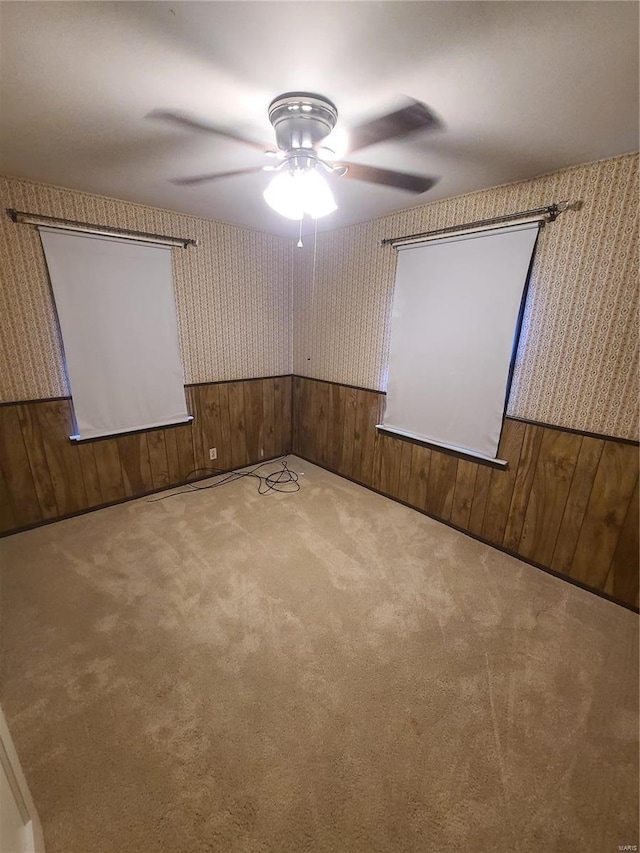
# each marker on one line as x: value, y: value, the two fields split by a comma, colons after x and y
x: 301, y: 119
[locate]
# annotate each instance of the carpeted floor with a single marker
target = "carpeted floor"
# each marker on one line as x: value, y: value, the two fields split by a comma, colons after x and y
x: 325, y: 671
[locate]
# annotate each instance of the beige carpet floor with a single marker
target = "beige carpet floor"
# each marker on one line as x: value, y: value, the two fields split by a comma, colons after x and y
x: 325, y: 671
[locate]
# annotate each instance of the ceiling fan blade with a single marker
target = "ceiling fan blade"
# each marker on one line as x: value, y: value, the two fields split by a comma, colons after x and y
x: 185, y: 120
x: 200, y: 179
x: 415, y: 116
x: 398, y: 180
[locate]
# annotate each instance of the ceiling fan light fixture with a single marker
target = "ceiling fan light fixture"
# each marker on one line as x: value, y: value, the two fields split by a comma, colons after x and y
x: 318, y: 198
x: 282, y: 196
x: 294, y: 193
x: 309, y: 143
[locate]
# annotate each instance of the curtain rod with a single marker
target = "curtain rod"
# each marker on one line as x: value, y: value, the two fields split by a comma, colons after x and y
x: 86, y: 227
x: 549, y: 213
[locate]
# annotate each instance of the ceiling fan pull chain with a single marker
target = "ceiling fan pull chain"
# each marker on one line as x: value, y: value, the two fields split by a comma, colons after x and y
x: 299, y: 243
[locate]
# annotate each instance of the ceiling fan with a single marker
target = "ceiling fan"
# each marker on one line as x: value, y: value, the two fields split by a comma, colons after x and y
x: 302, y: 122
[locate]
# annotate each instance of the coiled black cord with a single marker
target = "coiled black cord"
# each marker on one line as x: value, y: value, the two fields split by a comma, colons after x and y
x: 282, y: 480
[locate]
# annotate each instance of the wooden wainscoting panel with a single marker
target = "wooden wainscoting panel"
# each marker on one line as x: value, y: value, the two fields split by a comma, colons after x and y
x: 347, y: 417
x: 90, y: 475
x: 283, y: 401
x: 502, y: 482
x: 136, y: 468
x: 44, y: 475
x: 566, y: 500
x: 442, y: 483
x: 187, y: 468
x: 212, y: 435
x: 622, y: 581
x: 606, y: 512
x: 254, y: 430
x: 225, y: 453
x: 158, y: 460
x: 349, y: 402
x: 320, y: 412
x: 302, y: 438
x: 307, y: 414
x: 522, y: 486
x: 379, y: 467
x: 576, y: 505
x: 404, y: 480
x: 549, y: 493
x: 420, y: 465
x: 335, y: 428
x: 173, y: 460
x: 7, y: 518
x: 282, y: 415
x: 192, y: 394
x: 268, y: 412
x: 463, y: 493
x: 359, y: 435
x: 480, y: 499
x: 239, y: 455
x: 368, y: 416
x: 296, y: 438
x: 196, y: 426
x: 286, y: 410
x: 56, y: 425
x: 34, y: 445
x: 107, y: 456
x: 205, y: 402
x: 389, y: 454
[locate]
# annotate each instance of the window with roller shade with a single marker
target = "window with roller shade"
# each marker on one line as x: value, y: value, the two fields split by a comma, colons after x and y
x: 116, y: 309
x: 455, y: 322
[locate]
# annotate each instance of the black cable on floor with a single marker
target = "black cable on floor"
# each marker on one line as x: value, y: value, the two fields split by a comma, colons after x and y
x: 282, y: 480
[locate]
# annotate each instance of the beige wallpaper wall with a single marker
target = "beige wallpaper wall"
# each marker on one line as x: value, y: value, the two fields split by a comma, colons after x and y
x: 232, y: 292
x: 577, y: 364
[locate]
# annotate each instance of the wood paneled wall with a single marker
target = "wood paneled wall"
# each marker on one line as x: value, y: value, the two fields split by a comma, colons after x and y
x: 566, y: 501
x: 44, y: 476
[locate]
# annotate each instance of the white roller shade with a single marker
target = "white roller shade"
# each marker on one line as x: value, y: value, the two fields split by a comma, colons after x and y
x: 117, y: 315
x: 455, y: 312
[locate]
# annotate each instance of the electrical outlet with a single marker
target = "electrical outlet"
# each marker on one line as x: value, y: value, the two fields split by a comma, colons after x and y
x: 213, y: 454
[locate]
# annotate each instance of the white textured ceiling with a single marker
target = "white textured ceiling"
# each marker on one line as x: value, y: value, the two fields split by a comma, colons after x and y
x: 521, y: 88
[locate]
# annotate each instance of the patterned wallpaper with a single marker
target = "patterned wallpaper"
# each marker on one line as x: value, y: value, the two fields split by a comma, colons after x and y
x: 577, y: 364
x: 232, y: 292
